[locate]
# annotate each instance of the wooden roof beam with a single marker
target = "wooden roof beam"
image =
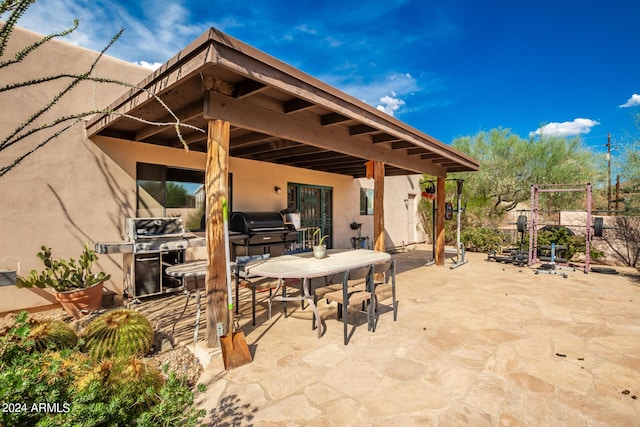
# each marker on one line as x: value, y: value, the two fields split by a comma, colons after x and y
x: 249, y: 87
x: 296, y: 105
x: 401, y: 145
x: 338, y: 162
x: 249, y: 139
x: 362, y: 130
x: 271, y: 148
x: 190, y: 112
x: 417, y: 150
x: 311, y: 157
x: 383, y: 137
x: 332, y: 119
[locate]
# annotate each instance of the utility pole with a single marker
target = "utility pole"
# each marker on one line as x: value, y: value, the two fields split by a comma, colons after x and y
x: 617, y: 193
x: 609, y: 171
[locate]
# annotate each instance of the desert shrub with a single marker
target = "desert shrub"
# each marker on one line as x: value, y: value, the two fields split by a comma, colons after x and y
x: 623, y: 238
x: 80, y: 391
x: 107, y: 399
x: 564, y: 237
x: 29, y: 377
x: 13, y: 341
x: 481, y: 239
x: 173, y: 395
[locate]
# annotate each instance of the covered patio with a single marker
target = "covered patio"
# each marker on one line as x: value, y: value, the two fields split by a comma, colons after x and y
x: 239, y: 102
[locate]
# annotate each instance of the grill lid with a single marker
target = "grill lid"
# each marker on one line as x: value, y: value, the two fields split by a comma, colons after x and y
x: 151, y: 228
x: 255, y: 222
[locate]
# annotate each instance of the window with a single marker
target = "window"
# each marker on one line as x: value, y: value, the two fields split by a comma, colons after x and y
x: 366, y: 201
x: 168, y: 191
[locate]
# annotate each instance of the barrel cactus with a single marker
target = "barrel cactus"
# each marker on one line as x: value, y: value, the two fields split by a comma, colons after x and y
x: 118, y: 333
x: 99, y: 372
x: 137, y: 377
x: 66, y: 362
x: 125, y: 376
x: 52, y: 334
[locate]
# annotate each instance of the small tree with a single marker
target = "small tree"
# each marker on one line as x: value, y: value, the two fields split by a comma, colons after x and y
x: 629, y: 165
x: 624, y: 239
x: 509, y: 165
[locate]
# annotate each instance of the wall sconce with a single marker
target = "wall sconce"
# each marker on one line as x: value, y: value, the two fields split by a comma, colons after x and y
x: 277, y: 189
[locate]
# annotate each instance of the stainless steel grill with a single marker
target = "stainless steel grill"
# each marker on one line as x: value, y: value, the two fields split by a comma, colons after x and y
x: 260, y: 232
x: 153, y: 245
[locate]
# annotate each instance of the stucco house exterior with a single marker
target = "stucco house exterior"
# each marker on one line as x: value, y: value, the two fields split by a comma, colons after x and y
x: 80, y: 187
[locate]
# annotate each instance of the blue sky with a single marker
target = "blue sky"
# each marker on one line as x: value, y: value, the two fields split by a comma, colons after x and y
x: 449, y: 68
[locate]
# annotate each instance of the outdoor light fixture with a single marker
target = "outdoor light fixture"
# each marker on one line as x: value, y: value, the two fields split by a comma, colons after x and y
x: 277, y: 189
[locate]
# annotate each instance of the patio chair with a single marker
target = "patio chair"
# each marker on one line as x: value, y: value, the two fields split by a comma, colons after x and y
x: 351, y: 295
x: 254, y: 283
x: 384, y: 290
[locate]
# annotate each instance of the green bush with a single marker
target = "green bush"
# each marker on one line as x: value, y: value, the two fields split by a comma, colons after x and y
x: 481, y: 239
x: 68, y: 388
x: 562, y: 236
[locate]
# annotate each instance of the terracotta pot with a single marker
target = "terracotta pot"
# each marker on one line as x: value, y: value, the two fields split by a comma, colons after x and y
x: 78, y: 302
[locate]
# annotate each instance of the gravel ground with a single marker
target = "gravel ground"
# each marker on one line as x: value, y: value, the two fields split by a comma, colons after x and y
x: 178, y: 358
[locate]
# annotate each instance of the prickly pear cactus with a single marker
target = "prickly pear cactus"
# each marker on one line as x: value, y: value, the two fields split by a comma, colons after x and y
x: 118, y: 333
x: 52, y: 334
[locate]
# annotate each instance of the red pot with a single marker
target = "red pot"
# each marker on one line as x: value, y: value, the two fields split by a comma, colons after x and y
x: 78, y: 302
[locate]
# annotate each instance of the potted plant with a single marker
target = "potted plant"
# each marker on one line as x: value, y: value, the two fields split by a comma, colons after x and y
x: 319, y: 249
x: 76, y: 287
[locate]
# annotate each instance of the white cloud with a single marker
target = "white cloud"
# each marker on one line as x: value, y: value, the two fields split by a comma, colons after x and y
x: 576, y: 127
x: 153, y: 35
x: 386, y: 95
x: 145, y: 64
x: 372, y: 92
x: 390, y: 104
x: 634, y: 101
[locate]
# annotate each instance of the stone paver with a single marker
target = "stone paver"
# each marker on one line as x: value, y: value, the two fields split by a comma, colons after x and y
x: 485, y: 344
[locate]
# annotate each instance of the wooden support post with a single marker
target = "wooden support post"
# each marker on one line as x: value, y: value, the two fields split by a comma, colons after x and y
x: 440, y: 198
x: 215, y: 189
x: 378, y: 206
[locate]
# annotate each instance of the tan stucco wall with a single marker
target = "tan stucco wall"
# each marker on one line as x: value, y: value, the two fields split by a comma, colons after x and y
x: 75, y: 190
x: 401, y: 219
x: 64, y: 194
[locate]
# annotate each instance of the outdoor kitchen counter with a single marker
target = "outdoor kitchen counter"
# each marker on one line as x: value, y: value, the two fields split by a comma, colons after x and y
x: 304, y: 266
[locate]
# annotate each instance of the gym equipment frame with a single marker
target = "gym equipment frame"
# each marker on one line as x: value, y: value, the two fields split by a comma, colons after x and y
x: 533, y: 224
x: 429, y: 193
x: 460, y: 259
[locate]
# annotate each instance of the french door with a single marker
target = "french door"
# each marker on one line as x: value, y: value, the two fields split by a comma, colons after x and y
x: 315, y: 204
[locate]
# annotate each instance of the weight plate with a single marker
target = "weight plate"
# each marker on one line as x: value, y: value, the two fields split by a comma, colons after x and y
x: 598, y: 226
x: 522, y: 223
x: 604, y: 270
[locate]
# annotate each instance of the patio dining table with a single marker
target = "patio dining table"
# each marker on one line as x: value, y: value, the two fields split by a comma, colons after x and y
x: 305, y: 267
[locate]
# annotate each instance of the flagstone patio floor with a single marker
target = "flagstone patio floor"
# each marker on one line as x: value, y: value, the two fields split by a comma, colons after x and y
x: 486, y: 344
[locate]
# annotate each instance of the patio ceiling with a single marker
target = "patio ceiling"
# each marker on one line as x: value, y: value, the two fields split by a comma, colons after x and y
x: 277, y: 114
